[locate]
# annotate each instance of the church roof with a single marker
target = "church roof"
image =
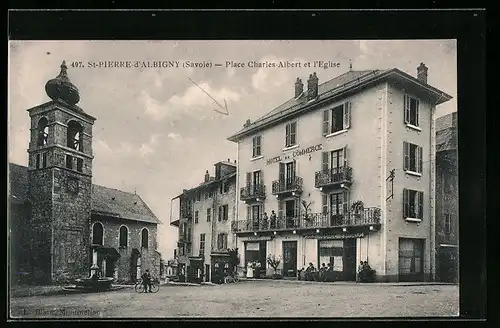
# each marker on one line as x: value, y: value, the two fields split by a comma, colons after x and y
x: 105, y: 201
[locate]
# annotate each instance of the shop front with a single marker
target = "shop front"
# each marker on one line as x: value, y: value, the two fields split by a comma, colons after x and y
x: 256, y: 253
x: 220, y: 268
x: 341, y: 255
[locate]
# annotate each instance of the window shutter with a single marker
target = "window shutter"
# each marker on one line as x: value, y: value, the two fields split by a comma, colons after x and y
x: 406, y: 109
x: 249, y: 213
x: 347, y: 115
x: 406, y: 155
x: 324, y: 203
x: 420, y: 161
x: 261, y: 177
x: 345, y: 156
x: 417, y: 110
x: 420, y: 214
x: 345, y: 204
x: 297, y: 207
x: 293, y: 133
x: 280, y: 209
x: 287, y: 135
x: 405, y: 203
x: 325, y: 161
x: 294, y: 170
x: 220, y: 213
x: 249, y: 178
x: 282, y: 172
x: 326, y: 122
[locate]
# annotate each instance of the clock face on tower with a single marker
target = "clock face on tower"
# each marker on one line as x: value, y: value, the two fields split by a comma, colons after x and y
x: 73, y: 185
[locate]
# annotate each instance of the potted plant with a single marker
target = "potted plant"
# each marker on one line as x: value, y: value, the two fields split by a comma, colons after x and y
x: 274, y: 262
x: 357, y: 208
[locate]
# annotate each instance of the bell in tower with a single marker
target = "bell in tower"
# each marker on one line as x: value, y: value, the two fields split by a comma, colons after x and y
x: 60, y: 182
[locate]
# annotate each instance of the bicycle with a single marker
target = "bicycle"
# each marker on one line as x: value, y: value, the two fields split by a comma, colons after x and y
x: 154, y: 286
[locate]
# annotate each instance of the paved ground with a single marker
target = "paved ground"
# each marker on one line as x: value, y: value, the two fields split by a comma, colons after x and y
x: 249, y: 299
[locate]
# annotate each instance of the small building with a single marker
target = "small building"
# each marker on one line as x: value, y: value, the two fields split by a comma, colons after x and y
x: 447, y: 198
x: 203, y: 215
x: 343, y: 172
x: 61, y: 223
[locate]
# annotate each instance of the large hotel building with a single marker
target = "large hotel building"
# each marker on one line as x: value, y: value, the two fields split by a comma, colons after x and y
x: 340, y: 173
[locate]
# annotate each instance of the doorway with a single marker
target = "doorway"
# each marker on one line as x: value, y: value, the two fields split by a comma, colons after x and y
x: 350, y: 259
x: 411, y: 259
x: 207, y: 272
x: 290, y: 258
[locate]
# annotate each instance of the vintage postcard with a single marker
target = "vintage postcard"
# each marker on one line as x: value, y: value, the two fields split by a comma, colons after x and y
x: 175, y: 179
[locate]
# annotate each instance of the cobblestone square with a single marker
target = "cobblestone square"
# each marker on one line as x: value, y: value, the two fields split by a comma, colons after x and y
x: 250, y: 300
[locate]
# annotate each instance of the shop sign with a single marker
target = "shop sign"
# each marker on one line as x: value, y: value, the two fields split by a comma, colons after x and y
x: 336, y: 236
x: 296, y: 153
x: 256, y: 238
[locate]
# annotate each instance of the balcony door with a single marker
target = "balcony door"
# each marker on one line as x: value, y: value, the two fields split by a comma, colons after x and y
x: 333, y: 163
x: 256, y: 180
x: 288, y: 174
x: 338, y: 208
x: 256, y: 216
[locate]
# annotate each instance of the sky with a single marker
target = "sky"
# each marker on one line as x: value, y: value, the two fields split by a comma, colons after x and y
x: 157, y: 132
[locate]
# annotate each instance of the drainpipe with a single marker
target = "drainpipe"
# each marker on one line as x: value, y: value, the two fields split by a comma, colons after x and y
x: 237, y: 200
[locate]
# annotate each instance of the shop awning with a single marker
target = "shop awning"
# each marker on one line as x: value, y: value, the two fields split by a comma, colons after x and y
x: 195, y: 258
x: 108, y: 251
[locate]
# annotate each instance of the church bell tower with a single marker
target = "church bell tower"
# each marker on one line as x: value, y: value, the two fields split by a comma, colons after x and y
x: 60, y: 183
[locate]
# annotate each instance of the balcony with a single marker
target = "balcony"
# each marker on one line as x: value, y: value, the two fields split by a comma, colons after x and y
x: 337, y: 177
x: 369, y: 217
x: 251, y: 193
x: 175, y: 222
x: 289, y: 186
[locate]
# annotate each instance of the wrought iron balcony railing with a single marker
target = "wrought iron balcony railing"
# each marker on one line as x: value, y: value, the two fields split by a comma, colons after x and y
x: 253, y: 191
x: 366, y: 217
x: 333, y: 176
x: 287, y: 186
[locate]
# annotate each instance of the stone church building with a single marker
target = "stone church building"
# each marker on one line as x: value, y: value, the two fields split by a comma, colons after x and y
x: 61, y: 224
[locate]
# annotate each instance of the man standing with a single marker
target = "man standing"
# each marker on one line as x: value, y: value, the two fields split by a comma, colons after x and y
x: 146, y: 281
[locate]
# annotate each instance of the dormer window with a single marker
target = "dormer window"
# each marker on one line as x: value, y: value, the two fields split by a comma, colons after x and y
x: 43, y: 132
x: 75, y: 136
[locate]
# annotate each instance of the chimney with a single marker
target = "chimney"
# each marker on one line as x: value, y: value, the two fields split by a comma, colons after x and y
x: 228, y: 160
x: 247, y: 123
x: 312, y: 87
x: 207, y: 176
x: 422, y: 73
x: 299, y: 87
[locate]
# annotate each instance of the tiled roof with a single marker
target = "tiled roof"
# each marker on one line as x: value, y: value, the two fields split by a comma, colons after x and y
x: 105, y: 201
x: 114, y: 202
x: 336, y: 86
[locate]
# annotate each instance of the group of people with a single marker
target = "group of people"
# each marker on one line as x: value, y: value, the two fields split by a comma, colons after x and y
x: 325, y: 273
x: 365, y: 272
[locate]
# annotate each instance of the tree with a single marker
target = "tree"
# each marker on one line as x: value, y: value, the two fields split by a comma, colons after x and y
x: 273, y: 262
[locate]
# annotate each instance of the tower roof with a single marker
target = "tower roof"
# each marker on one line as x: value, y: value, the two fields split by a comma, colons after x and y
x: 61, y: 88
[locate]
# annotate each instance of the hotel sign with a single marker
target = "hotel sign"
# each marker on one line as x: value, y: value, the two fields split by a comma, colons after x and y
x: 296, y: 153
x: 341, y: 236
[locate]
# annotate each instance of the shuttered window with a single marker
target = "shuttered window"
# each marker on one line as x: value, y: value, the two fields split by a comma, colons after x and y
x: 411, y: 110
x: 412, y: 157
x: 256, y: 147
x: 337, y: 118
x: 291, y: 134
x: 413, y: 203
